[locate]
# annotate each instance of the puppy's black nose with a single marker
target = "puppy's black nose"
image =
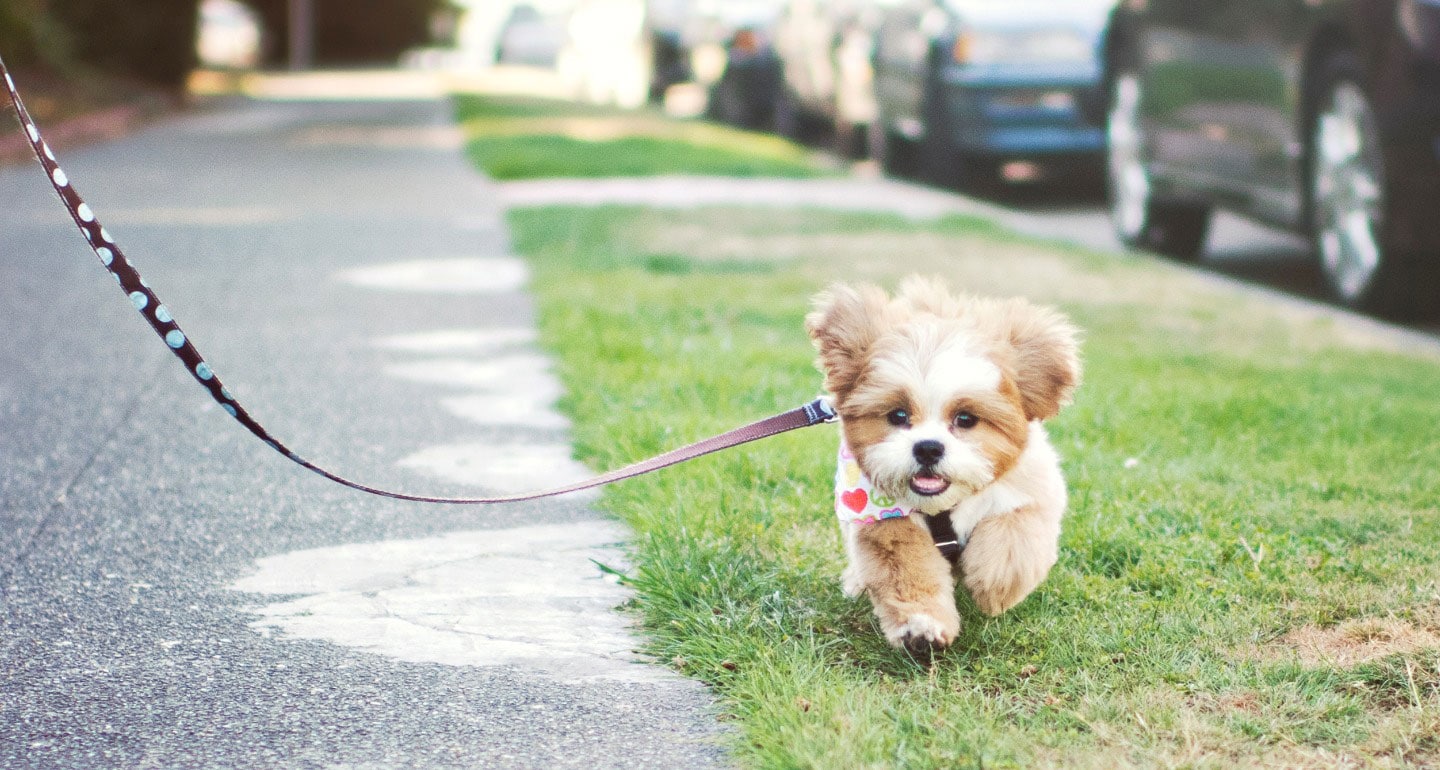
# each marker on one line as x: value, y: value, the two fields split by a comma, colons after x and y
x: 928, y: 452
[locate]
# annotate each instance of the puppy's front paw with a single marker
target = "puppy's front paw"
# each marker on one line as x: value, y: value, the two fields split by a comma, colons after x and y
x: 994, y: 594
x: 923, y: 635
x: 1006, y: 558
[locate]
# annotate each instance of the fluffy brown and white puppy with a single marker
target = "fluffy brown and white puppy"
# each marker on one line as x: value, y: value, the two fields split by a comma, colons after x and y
x: 941, y: 400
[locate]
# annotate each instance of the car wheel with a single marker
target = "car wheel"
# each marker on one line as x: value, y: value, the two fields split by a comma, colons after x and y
x: 1348, y: 202
x: 894, y: 153
x: 940, y: 163
x: 1141, y: 218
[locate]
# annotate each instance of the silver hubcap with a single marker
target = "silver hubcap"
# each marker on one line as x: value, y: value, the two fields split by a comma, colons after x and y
x: 1129, y: 184
x: 1347, y: 189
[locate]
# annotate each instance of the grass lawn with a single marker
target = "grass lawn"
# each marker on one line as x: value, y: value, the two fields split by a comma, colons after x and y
x: 513, y: 138
x: 1248, y: 573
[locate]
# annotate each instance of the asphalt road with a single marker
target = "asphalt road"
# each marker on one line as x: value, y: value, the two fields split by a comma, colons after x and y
x: 174, y: 593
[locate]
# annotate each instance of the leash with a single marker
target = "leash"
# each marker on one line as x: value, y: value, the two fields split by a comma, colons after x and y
x: 158, y: 316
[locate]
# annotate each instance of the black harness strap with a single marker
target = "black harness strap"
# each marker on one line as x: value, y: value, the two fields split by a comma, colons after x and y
x: 942, y: 531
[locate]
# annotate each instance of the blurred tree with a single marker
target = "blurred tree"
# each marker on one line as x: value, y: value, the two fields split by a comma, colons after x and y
x: 29, y: 35
x: 352, y: 31
x: 149, y: 40
x: 152, y: 40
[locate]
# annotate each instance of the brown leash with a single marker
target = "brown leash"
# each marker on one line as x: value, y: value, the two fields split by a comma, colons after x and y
x: 164, y: 324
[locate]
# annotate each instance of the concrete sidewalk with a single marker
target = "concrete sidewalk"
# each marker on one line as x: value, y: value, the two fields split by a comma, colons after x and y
x: 175, y: 594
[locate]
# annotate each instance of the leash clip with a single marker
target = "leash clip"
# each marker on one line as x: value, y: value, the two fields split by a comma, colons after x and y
x: 819, y: 411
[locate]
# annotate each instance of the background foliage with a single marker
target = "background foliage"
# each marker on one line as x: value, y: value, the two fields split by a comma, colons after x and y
x: 352, y: 31
x: 154, y: 40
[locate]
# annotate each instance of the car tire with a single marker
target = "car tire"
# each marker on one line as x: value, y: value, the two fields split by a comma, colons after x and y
x: 1143, y: 219
x: 895, y: 154
x: 942, y: 162
x: 1348, y: 200
x: 847, y: 139
x: 944, y: 165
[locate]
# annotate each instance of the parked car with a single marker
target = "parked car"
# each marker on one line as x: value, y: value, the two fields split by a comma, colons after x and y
x: 825, y: 48
x: 969, y: 88
x: 530, y: 37
x: 1319, y: 117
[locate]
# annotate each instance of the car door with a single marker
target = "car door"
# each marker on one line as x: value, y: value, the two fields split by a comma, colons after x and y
x: 1187, y: 81
x: 1260, y: 116
x: 1222, y: 93
x: 902, y: 50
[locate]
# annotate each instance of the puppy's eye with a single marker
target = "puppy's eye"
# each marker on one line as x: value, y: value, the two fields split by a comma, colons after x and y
x: 898, y: 418
x: 966, y: 420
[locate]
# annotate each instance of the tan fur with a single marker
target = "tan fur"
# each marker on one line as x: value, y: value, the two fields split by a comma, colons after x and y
x: 1044, y: 362
x: 1008, y: 555
x: 844, y: 325
x: 909, y: 583
x: 1003, y: 431
x: 1013, y: 365
x: 1037, y: 343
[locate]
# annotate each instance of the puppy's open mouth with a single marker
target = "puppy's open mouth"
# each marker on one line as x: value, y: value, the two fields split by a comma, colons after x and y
x: 927, y: 484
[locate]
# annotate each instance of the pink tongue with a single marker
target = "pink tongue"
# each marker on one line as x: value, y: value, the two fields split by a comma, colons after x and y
x: 929, y: 483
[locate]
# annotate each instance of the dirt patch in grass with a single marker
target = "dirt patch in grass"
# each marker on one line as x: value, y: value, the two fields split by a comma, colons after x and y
x: 1352, y: 642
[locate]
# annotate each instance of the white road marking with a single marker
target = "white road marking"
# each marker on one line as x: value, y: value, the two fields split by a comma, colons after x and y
x: 502, y: 467
x: 515, y: 373
x: 530, y: 596
x: 468, y: 275
x: 514, y: 410
x: 457, y: 341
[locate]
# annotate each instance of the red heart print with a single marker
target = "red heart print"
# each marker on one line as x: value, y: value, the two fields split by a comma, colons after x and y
x: 855, y: 499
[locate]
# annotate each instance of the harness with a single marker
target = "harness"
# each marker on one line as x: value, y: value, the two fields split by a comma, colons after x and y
x: 857, y: 504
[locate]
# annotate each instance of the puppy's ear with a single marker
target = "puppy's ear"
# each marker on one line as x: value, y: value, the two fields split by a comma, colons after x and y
x: 844, y: 325
x: 1044, y: 355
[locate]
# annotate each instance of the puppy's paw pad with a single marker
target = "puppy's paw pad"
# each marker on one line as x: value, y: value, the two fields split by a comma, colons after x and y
x: 922, y: 633
x: 921, y: 649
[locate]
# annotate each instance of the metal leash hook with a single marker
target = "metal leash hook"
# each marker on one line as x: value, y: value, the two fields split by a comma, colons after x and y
x: 160, y: 319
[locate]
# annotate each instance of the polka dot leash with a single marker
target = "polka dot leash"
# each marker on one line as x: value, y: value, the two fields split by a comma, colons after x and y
x: 160, y: 319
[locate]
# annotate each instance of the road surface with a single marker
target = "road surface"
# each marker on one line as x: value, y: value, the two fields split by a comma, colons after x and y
x: 175, y: 594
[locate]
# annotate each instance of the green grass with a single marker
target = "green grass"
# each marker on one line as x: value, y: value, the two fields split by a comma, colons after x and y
x: 1248, y: 572
x: 531, y: 138
x: 1220, y: 500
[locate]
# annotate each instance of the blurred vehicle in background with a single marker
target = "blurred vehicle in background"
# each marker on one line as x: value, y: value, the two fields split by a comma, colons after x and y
x: 825, y: 47
x: 968, y: 90
x: 229, y: 35
x: 745, y: 87
x: 530, y: 36
x: 1319, y: 117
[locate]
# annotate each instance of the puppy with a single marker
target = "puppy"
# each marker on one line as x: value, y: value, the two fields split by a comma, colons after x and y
x: 941, y: 400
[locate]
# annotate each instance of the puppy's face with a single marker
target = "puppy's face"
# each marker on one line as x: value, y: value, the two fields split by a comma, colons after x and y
x: 935, y: 393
